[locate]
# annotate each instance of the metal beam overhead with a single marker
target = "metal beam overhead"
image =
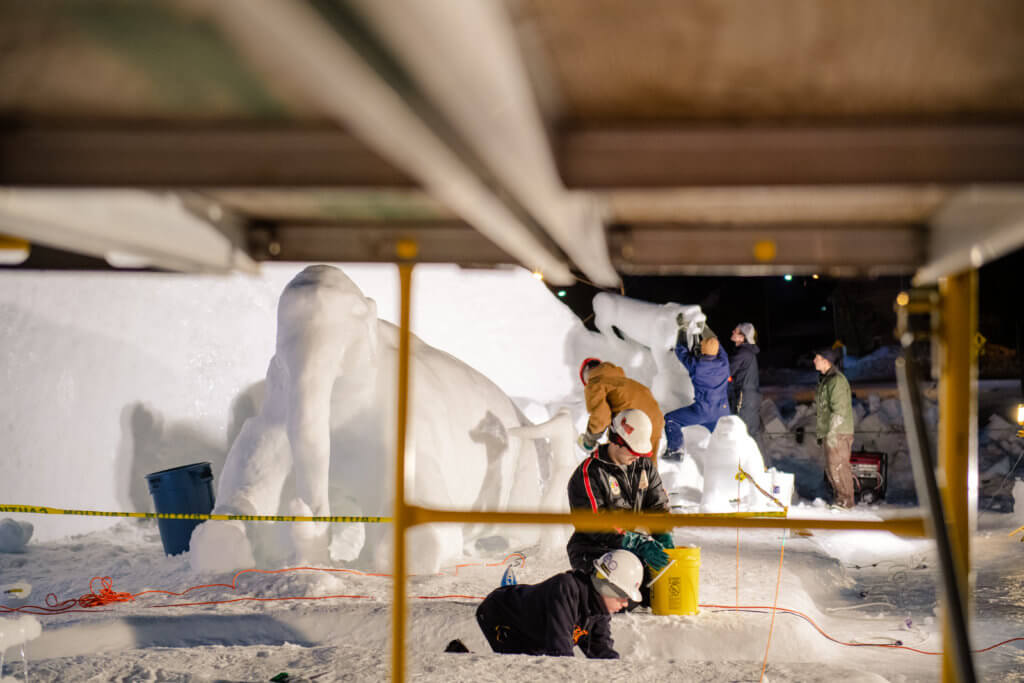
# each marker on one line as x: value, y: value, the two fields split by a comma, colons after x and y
x: 190, y: 155
x: 799, y: 154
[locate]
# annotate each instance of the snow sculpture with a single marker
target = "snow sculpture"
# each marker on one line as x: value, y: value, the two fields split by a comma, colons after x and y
x: 654, y: 326
x: 560, y: 433
x: 327, y: 426
x: 729, y: 448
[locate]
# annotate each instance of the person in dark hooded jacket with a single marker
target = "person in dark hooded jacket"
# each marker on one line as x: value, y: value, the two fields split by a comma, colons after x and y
x: 567, y: 610
x: 709, y: 371
x: 745, y: 387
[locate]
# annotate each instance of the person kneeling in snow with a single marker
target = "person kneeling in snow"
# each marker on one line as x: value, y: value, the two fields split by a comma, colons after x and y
x: 568, y: 609
x: 620, y: 476
x: 608, y: 392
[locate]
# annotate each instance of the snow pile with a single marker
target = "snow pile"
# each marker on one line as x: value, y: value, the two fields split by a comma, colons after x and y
x: 14, y: 535
x: 880, y: 364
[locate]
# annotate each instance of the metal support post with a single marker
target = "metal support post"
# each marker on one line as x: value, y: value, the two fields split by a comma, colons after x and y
x: 957, y: 472
x: 406, y: 253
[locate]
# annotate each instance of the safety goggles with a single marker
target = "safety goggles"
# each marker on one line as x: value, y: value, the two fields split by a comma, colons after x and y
x: 619, y: 441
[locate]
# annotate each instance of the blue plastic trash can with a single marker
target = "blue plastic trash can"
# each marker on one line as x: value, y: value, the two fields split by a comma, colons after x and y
x: 185, y: 489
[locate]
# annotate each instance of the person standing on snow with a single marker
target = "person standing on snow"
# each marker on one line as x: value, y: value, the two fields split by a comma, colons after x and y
x: 566, y: 610
x: 709, y: 372
x: 619, y: 475
x: 608, y: 392
x: 745, y: 387
x: 834, y: 406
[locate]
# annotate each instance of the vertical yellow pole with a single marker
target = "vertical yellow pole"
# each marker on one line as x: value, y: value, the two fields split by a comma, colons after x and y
x: 406, y: 253
x: 957, y: 475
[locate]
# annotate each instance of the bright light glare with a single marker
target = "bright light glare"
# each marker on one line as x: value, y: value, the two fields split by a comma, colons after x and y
x: 13, y: 250
x: 815, y: 276
x: 1020, y: 414
x: 561, y: 293
x: 787, y: 277
x: 537, y: 275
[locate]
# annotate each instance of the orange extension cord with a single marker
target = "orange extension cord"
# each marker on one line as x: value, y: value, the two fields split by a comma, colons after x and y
x: 107, y: 595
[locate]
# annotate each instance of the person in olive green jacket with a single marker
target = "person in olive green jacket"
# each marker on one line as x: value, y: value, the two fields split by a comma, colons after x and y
x: 834, y: 406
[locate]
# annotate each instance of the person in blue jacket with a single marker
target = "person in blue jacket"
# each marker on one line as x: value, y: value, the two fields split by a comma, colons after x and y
x: 709, y: 371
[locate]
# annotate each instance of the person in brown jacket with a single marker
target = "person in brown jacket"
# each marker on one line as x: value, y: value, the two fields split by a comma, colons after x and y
x: 608, y: 392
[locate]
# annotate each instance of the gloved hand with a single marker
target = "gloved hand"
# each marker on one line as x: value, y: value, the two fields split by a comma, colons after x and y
x: 665, y: 539
x: 647, y: 549
x: 587, y: 441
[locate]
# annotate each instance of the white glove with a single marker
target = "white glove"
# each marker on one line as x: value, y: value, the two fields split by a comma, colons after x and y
x: 587, y: 442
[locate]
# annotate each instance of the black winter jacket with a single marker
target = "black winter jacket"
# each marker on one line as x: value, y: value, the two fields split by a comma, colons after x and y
x: 745, y: 388
x: 600, y: 484
x: 548, y: 618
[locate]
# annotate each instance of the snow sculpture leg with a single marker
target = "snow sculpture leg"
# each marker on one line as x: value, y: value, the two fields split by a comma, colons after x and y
x: 560, y: 433
x: 250, y: 484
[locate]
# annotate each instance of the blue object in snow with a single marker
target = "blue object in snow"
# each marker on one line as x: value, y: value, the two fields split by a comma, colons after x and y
x: 509, y: 577
x: 186, y: 489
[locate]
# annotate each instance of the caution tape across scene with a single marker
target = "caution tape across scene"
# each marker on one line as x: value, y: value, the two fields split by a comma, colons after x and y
x: 37, y: 510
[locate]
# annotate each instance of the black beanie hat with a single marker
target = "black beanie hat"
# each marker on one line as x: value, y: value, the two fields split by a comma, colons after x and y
x: 833, y: 356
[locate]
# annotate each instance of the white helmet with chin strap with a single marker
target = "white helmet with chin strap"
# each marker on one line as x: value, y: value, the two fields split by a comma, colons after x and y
x: 633, y: 429
x: 617, y: 574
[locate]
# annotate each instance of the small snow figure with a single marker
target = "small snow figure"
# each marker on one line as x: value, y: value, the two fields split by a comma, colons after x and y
x: 566, y: 610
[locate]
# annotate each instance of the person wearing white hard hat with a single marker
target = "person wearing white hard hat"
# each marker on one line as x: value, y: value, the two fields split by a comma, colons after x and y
x: 745, y: 384
x: 565, y: 611
x: 619, y: 475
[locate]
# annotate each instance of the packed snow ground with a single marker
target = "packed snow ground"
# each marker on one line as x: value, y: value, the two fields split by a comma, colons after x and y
x: 110, y: 382
x: 858, y: 587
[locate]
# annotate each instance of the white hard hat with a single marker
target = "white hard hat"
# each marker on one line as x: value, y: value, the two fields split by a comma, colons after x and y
x: 633, y: 429
x: 617, y: 574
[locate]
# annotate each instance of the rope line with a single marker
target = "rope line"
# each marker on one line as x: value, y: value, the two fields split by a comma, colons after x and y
x: 107, y: 595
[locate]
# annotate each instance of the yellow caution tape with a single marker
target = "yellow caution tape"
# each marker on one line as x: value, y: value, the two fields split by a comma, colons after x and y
x: 35, y: 510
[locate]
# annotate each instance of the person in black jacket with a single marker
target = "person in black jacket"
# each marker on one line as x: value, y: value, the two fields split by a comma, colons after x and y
x: 620, y: 476
x: 745, y: 387
x: 566, y: 610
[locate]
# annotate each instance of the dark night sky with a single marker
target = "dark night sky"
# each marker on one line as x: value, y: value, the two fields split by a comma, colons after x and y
x: 793, y: 317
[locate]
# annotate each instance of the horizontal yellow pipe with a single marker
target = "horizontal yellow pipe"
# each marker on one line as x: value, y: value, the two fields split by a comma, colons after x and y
x: 663, y: 521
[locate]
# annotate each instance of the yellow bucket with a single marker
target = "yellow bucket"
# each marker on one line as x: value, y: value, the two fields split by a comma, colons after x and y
x: 675, y: 591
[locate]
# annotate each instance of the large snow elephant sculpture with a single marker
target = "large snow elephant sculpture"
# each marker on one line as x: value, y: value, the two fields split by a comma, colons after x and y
x: 323, y: 442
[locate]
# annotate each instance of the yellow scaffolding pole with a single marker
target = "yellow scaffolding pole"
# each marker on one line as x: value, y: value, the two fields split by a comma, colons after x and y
x: 406, y: 253
x: 957, y: 472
